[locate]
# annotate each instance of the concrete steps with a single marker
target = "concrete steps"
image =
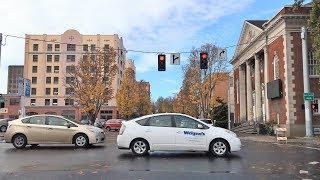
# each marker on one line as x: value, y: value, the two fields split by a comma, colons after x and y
x: 245, y: 128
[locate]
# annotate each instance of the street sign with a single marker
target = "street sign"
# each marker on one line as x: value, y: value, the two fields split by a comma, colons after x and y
x: 309, y: 96
x: 175, y: 58
x: 1, y: 98
x: 222, y: 54
x: 3, y: 110
x: 24, y: 87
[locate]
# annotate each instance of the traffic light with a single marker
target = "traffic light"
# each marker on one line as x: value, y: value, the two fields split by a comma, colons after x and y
x: 203, y: 60
x: 1, y: 101
x: 161, y: 62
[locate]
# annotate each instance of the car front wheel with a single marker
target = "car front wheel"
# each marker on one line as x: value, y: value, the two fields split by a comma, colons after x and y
x: 140, y: 147
x: 81, y: 140
x: 19, y: 141
x: 219, y: 148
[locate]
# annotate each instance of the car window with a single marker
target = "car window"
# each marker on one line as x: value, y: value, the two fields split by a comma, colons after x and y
x: 36, y: 120
x: 55, y: 121
x: 142, y: 122
x: 186, y: 122
x: 160, y: 121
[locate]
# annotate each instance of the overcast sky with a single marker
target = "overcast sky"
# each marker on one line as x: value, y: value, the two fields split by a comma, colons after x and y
x: 151, y: 25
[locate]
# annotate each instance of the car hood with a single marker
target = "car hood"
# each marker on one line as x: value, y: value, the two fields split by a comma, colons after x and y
x: 93, y: 128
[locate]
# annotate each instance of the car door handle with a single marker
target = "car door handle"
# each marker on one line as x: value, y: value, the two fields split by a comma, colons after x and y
x: 178, y: 132
x: 50, y: 129
x: 148, y: 130
x: 28, y: 126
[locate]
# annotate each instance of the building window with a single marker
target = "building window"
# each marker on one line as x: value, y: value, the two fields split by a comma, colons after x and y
x: 57, y: 47
x: 71, y: 47
x: 49, y: 47
x: 35, y: 47
x: 47, y: 102
x: 33, y: 91
x: 106, y: 46
x: 275, y: 66
x: 56, y: 69
x: 56, y: 58
x: 48, y: 80
x: 93, y: 47
x: 68, y: 102
x: 49, y: 69
x: 313, y: 64
x: 34, y: 69
x: 49, y: 58
x: 69, y: 80
x: 32, y: 102
x: 84, y: 57
x: 55, y: 91
x: 34, y: 80
x: 70, y: 69
x: 48, y: 91
x: 316, y: 102
x: 56, y: 80
x: 93, y: 57
x: 69, y: 91
x: 71, y: 58
x: 85, y: 47
x: 54, y: 102
x: 14, y: 101
x: 35, y: 58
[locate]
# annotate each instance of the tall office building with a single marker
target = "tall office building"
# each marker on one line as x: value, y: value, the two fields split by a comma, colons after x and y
x: 14, y: 73
x: 49, y: 58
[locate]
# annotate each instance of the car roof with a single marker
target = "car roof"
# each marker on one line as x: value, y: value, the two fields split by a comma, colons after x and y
x: 159, y: 114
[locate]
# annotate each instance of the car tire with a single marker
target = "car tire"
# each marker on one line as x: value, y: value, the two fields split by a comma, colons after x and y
x: 3, y: 128
x: 108, y: 128
x: 140, y: 147
x: 81, y: 140
x: 19, y: 141
x: 219, y: 147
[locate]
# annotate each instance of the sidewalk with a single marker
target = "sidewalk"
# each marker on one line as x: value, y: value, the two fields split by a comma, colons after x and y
x: 312, y: 141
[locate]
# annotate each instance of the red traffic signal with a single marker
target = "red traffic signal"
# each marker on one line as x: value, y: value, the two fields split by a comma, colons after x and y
x: 161, y: 62
x: 203, y: 60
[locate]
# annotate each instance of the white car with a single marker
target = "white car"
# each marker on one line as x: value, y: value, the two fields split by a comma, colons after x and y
x: 175, y: 132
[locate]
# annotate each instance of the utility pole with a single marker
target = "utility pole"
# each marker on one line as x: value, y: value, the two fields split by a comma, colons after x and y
x: 306, y: 84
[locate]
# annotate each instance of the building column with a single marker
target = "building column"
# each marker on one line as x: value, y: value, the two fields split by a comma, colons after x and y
x: 242, y: 94
x: 249, y: 92
x: 258, y: 105
x: 266, y: 80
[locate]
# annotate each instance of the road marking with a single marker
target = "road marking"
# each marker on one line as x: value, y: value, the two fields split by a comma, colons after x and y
x: 313, y: 162
x: 303, y: 172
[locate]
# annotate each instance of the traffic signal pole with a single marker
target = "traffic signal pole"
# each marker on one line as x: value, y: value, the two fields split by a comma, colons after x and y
x: 306, y: 84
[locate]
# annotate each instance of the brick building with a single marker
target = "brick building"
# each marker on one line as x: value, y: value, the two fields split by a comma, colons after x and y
x: 12, y: 103
x: 269, y: 54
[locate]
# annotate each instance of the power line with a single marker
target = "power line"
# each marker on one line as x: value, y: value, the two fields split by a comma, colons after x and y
x: 130, y: 50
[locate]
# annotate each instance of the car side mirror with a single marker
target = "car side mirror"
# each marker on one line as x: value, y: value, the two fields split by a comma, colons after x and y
x: 200, y: 126
x: 68, y: 125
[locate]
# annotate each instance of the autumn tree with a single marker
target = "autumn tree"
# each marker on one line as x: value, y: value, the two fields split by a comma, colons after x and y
x: 143, y: 103
x: 202, y: 83
x: 91, y: 81
x: 126, y: 95
x: 164, y: 105
x: 314, y: 24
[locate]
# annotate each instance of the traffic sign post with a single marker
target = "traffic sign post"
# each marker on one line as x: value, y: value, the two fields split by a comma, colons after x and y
x: 175, y: 58
x: 222, y: 54
x: 308, y: 96
x: 23, y: 91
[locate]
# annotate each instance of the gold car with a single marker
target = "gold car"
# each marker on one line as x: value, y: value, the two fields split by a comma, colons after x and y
x: 51, y: 129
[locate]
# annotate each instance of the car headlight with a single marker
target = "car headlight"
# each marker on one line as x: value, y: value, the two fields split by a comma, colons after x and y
x: 230, y: 132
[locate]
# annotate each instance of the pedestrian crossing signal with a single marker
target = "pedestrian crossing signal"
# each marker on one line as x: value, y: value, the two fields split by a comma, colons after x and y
x: 203, y: 60
x: 161, y: 62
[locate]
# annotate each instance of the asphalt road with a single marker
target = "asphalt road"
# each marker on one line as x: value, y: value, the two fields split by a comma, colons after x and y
x: 255, y: 161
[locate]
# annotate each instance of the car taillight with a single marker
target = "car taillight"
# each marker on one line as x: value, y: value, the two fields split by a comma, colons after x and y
x: 123, y: 127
